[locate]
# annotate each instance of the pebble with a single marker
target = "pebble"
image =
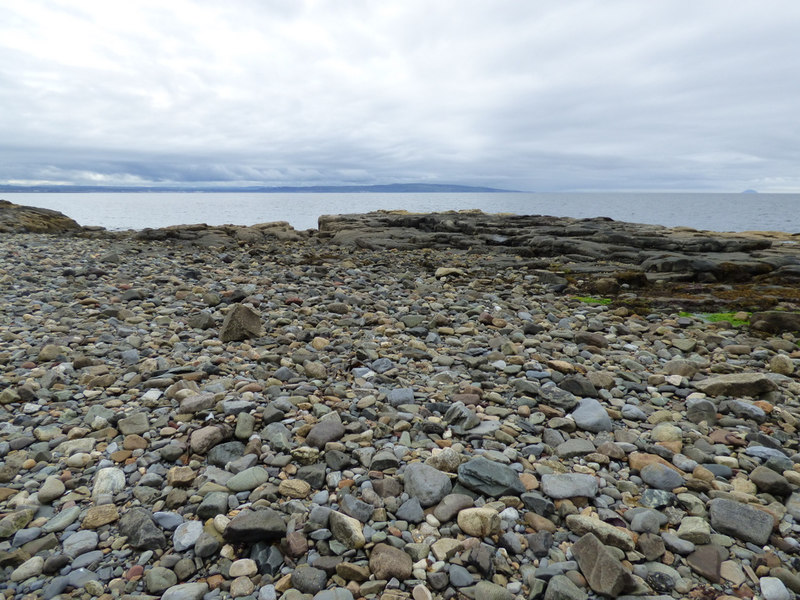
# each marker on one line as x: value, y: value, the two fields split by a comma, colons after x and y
x: 292, y: 419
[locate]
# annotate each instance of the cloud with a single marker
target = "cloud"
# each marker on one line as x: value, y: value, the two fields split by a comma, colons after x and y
x: 669, y: 94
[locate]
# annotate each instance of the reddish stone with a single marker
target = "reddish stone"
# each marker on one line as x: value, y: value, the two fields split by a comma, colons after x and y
x: 296, y: 543
x: 468, y: 399
x: 743, y: 591
x: 293, y: 300
x: 251, y: 387
x: 134, y: 573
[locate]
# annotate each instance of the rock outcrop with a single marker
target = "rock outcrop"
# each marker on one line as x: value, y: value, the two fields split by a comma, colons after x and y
x: 15, y: 218
x: 593, y: 245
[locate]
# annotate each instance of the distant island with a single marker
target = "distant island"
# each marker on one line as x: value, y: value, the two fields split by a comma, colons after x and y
x: 392, y: 188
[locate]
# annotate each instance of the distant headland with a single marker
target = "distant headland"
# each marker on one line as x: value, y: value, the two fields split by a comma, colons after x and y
x: 397, y: 188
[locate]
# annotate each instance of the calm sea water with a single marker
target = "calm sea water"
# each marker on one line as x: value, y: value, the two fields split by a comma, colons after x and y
x: 716, y: 212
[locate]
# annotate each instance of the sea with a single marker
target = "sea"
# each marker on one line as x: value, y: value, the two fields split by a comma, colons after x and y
x: 704, y: 211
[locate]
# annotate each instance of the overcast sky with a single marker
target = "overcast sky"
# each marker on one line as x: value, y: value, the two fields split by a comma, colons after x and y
x: 541, y: 96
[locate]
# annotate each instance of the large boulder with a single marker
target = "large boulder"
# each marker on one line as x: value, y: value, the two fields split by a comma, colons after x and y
x: 15, y: 218
x: 736, y: 384
x: 241, y: 323
x: 775, y: 321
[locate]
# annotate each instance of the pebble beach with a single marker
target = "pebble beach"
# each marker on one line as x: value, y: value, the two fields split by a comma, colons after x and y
x: 397, y: 408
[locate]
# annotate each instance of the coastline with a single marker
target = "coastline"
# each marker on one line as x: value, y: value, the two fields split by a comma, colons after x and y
x: 399, y: 405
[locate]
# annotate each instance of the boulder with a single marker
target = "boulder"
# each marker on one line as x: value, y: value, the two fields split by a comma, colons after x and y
x: 241, y: 323
x: 15, y: 218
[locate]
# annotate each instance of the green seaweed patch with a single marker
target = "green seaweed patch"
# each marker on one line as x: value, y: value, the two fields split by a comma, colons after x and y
x: 592, y: 300
x: 717, y: 317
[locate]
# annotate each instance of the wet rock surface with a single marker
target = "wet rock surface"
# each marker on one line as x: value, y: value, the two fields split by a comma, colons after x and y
x: 414, y: 421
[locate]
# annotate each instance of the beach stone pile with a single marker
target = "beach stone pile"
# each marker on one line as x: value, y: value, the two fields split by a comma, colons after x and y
x: 298, y: 419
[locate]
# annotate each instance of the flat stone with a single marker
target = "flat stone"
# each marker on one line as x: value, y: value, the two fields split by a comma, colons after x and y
x: 773, y: 588
x: 426, y: 484
x: 51, y: 489
x: 489, y: 478
x: 197, y: 403
x: 459, y: 576
x: 452, y: 504
x: 186, y: 534
x: 676, y: 544
x: 347, y: 530
x: 308, y: 579
x: 30, y: 568
x: 334, y: 594
x: 701, y: 409
x: 398, y: 396
x: 569, y: 485
x: 384, y: 460
x: 561, y: 587
x: 606, y: 533
x: 79, y: 543
x: 486, y: 590
x: 15, y: 521
x: 241, y: 323
x: 604, y: 573
x: 249, y: 479
x: 479, y: 522
x: 137, y: 423
x: 411, y: 511
x: 62, y: 520
x: 108, y: 481
x: 661, y: 477
x: 695, y: 530
x: 574, y: 447
x: 186, y: 591
x: 555, y: 396
x: 294, y: 488
x: 352, y: 506
x: 329, y: 429
x: 448, y: 460
x: 445, y: 548
x: 213, y: 504
x: 740, y: 520
x: 590, y: 415
x: 706, y: 561
x: 736, y: 384
x: 651, y: 545
x: 255, y: 525
x: 386, y: 562
x: 205, y: 438
x: 142, y: 533
x: 732, y: 572
x: 159, y: 579
x: 769, y: 481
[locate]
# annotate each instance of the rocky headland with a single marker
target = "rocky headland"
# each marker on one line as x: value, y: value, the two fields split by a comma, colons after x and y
x: 454, y: 405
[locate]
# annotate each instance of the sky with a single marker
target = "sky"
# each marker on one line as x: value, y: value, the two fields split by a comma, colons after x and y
x: 567, y: 95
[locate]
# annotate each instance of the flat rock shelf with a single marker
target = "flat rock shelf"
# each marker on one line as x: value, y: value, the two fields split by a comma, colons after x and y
x: 398, y: 406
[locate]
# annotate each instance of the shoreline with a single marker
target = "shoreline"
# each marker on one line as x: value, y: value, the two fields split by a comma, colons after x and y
x: 730, y: 213
x: 402, y: 406
x: 636, y: 265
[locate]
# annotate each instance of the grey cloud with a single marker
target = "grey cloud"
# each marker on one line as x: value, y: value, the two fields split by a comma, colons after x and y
x: 669, y: 94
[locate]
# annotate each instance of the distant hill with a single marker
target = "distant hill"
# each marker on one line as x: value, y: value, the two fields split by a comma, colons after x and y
x: 392, y: 188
